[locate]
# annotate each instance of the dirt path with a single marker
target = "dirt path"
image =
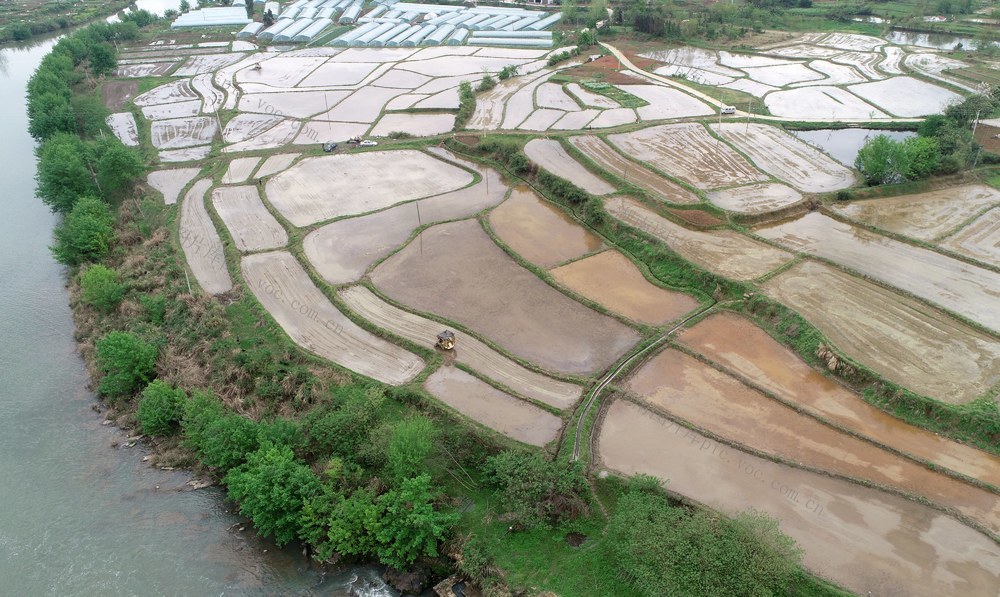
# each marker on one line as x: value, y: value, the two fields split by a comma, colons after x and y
x: 469, y: 351
x: 691, y: 390
x: 311, y: 321
x: 741, y: 347
x: 200, y: 241
x: 602, y: 153
x: 861, y: 538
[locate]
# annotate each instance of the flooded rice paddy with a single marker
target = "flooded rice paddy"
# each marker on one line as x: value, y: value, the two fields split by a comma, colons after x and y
x: 252, y: 227
x: 662, y: 188
x: 200, y: 241
x: 550, y: 155
x: 170, y: 183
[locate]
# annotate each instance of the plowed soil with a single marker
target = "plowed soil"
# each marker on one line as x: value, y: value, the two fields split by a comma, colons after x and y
x: 614, y: 162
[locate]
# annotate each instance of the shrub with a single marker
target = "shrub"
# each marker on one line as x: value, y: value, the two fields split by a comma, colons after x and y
x: 161, y: 408
x: 663, y: 550
x: 85, y: 234
x: 538, y: 491
x: 411, y: 443
x: 343, y: 429
x: 200, y: 411
x: 155, y: 307
x: 271, y: 488
x: 227, y: 441
x: 100, y: 288
x: 126, y: 362
x: 466, y: 105
x: 487, y: 83
x: 63, y: 175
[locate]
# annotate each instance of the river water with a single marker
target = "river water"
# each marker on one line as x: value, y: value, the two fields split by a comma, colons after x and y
x: 78, y: 516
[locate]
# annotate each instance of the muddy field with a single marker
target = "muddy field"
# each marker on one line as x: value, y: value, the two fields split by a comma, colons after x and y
x: 488, y: 292
x: 747, y: 351
x: 277, y: 136
x: 783, y: 156
x: 690, y: 153
x: 489, y: 406
x: 861, y: 538
x: 666, y: 102
x: 321, y: 188
x: 178, y: 133
x: 239, y: 170
x: 170, y: 183
x: 756, y: 198
x: 276, y: 163
x: 662, y: 188
x: 820, y: 103
x: 964, y: 289
x: 468, y: 351
x: 539, y: 231
x: 418, y: 125
x: 295, y: 104
x: 980, y: 239
x: 311, y: 321
x: 343, y: 251
x: 902, y: 339
x: 724, y: 252
x: 926, y: 216
x: 123, y: 125
x: 612, y: 281
x: 200, y: 242
x: 491, y: 105
x: 906, y: 96
x: 683, y: 386
x: 252, y: 227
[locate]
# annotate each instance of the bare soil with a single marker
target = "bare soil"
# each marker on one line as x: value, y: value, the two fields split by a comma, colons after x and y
x: 252, y: 227
x: 456, y: 271
x: 200, y: 242
x: 980, y: 239
x: 602, y: 153
x: 114, y: 94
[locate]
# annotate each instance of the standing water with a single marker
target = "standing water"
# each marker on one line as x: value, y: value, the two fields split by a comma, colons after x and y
x: 843, y: 144
x: 77, y: 516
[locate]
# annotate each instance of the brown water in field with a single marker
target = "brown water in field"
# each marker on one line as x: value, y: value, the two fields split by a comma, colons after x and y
x: 741, y: 347
x: 861, y: 538
x: 685, y: 387
x: 539, y: 231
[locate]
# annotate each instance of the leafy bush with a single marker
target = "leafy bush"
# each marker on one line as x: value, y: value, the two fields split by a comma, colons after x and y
x: 343, y: 429
x: 507, y: 72
x: 466, y: 105
x: 557, y: 58
x: 271, y: 488
x: 126, y: 362
x: 227, y: 440
x: 161, y: 408
x: 85, y: 234
x: 663, y: 550
x: 117, y: 166
x: 411, y: 443
x: 63, y: 175
x: 884, y: 161
x: 155, y: 307
x: 536, y: 490
x: 100, y: 288
x: 487, y: 83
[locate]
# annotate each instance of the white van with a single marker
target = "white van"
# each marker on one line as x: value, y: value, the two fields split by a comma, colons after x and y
x: 728, y: 110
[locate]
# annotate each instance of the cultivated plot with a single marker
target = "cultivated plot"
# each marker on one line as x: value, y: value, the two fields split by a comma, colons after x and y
x: 175, y: 91
x: 468, y: 350
x: 123, y: 125
x: 787, y: 158
x: 178, y: 133
x: 311, y: 321
x: 666, y: 102
x: 170, y: 183
x: 723, y: 252
x: 174, y: 110
x: 900, y: 338
x: 690, y: 153
x: 489, y: 406
x: 612, y: 281
x: 247, y: 126
x: 965, y: 289
x: 294, y: 104
x: 926, y: 216
x: 683, y: 386
x: 549, y: 154
x: 820, y: 103
x: 276, y: 163
x: 322, y: 188
x: 745, y: 350
x: 200, y: 242
x: 239, y: 170
x: 252, y: 227
x: 757, y: 198
x: 488, y: 292
x: 418, y: 125
x: 662, y: 188
x: 539, y: 231
x: 343, y: 251
x: 861, y: 538
x: 906, y: 96
x: 980, y: 239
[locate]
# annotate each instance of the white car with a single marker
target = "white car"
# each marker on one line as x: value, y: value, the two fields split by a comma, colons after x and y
x: 368, y: 143
x: 728, y: 110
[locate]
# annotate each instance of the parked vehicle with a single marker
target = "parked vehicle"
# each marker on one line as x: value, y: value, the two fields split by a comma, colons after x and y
x: 329, y: 146
x: 368, y: 143
x: 728, y: 110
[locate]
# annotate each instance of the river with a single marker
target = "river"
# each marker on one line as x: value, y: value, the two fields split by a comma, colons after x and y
x: 78, y: 516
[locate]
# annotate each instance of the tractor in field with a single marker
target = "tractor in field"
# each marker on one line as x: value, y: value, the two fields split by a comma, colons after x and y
x: 446, y: 340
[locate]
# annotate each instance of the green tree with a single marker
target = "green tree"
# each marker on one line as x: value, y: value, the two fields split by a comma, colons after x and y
x: 411, y: 443
x: 63, y: 175
x: 126, y: 362
x: 50, y: 113
x: 271, y: 488
x: 922, y: 156
x: 200, y: 411
x: 342, y: 429
x: 408, y: 526
x: 185, y: 6
x: 536, y: 490
x: 89, y: 116
x: 117, y: 166
x: 879, y: 160
x: 161, y: 408
x: 86, y: 233
x: 100, y: 288
x: 227, y: 441
x: 102, y: 58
